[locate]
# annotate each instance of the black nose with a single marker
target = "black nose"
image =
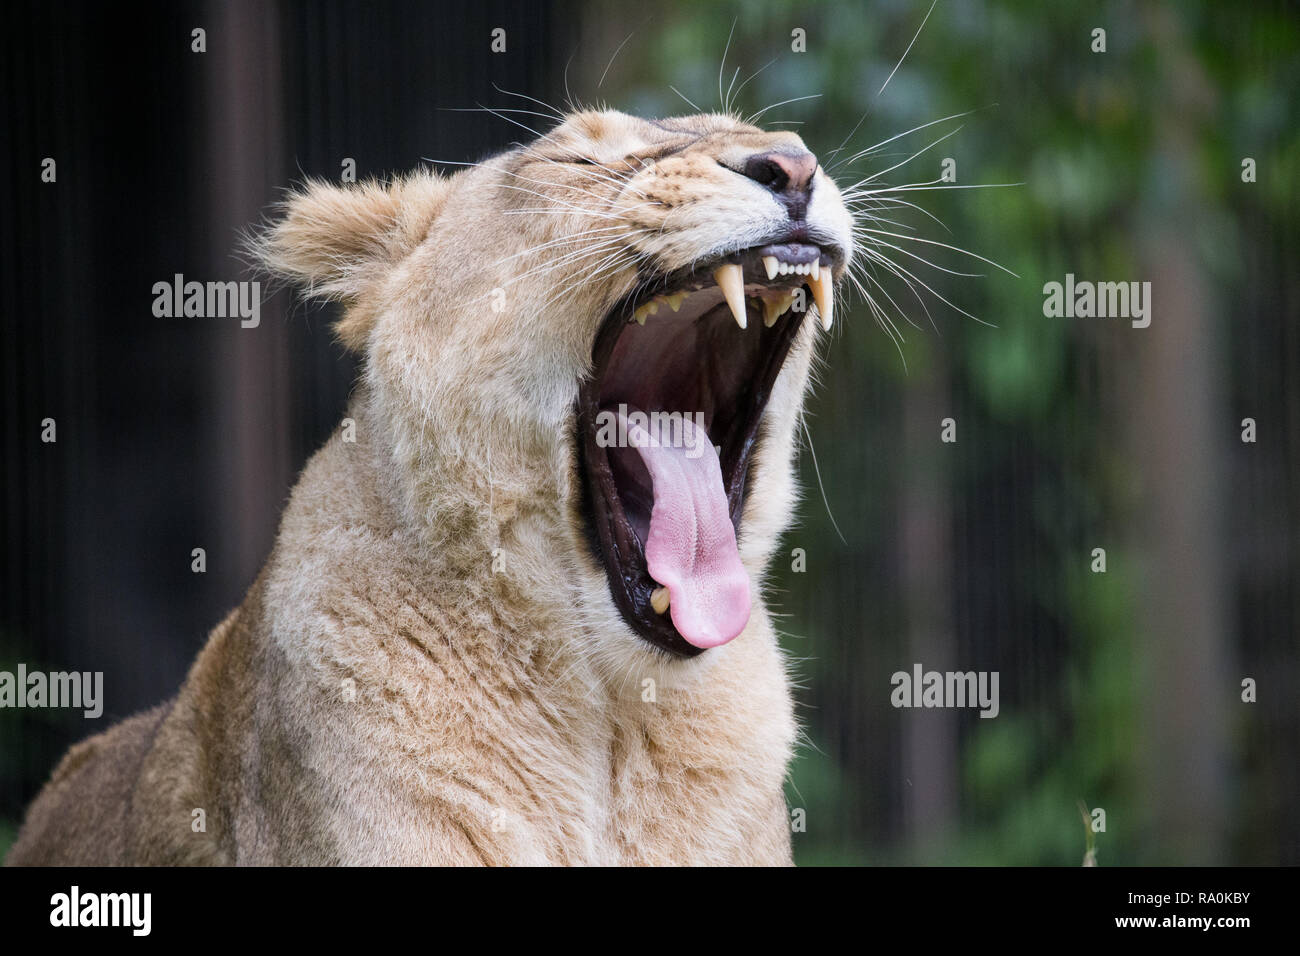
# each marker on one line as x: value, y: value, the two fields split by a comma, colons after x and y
x: 789, y: 175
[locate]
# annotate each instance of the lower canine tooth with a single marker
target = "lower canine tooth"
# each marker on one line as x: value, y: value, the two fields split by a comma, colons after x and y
x: 824, y: 295
x: 659, y: 600
x: 731, y: 280
x: 649, y: 308
x: 774, y: 308
x: 771, y: 265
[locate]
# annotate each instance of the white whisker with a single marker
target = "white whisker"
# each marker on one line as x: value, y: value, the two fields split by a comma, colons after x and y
x: 907, y: 51
x: 558, y: 113
x: 932, y: 242
x: 753, y: 117
x: 688, y: 100
x: 723, y: 65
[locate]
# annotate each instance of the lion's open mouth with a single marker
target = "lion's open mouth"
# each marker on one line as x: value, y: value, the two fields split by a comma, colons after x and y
x: 668, y: 423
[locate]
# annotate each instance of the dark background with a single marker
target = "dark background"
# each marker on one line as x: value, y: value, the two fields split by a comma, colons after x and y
x: 1119, y: 690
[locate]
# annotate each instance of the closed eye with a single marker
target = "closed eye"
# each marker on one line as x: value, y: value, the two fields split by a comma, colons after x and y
x: 633, y: 159
x: 667, y: 151
x: 629, y: 162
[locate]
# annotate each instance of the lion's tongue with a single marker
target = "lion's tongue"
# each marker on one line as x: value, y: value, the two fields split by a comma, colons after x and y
x: 691, y: 546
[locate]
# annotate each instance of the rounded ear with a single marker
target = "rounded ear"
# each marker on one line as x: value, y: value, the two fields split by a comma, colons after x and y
x: 337, y: 242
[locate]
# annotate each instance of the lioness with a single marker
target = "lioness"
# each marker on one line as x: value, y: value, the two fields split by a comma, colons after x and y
x: 513, y: 614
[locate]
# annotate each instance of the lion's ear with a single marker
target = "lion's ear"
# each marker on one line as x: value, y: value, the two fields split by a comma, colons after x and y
x: 335, y: 242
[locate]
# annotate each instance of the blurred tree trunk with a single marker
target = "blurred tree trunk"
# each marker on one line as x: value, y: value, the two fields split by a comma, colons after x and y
x: 249, y: 396
x: 1178, y: 427
x: 925, y: 517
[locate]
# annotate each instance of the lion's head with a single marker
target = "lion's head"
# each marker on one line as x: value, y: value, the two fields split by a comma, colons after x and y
x: 589, y: 352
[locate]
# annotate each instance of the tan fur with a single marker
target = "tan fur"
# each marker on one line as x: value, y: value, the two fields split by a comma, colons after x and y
x: 382, y: 695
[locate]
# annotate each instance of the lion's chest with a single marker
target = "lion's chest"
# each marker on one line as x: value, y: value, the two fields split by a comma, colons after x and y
x: 522, y: 783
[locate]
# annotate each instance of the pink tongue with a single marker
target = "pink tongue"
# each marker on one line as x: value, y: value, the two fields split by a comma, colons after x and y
x: 691, y: 547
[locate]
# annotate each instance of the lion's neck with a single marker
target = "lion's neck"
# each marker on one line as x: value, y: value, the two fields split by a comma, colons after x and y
x: 490, y: 516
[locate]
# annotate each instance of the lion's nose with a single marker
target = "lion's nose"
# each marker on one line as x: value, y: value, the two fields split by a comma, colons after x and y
x: 788, y: 174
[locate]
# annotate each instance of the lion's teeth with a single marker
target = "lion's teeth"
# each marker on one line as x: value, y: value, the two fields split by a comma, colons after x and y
x: 675, y: 300
x: 646, y: 308
x: 771, y: 265
x: 775, y: 307
x: 659, y: 600
x: 731, y: 280
x: 816, y: 269
x: 824, y: 296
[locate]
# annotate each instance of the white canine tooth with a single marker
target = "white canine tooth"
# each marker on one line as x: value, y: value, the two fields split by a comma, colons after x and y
x: 731, y: 280
x: 775, y: 307
x: 675, y: 300
x: 816, y: 269
x: 824, y: 295
x: 771, y: 265
x: 659, y: 600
